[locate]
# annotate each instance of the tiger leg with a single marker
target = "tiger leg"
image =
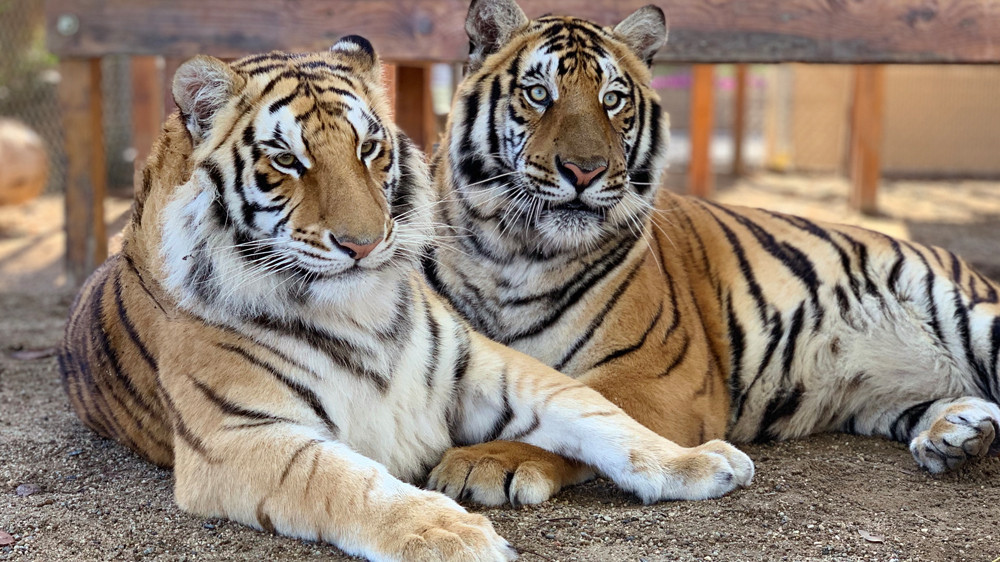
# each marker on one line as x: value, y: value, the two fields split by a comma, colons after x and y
x: 552, y: 411
x: 689, y: 412
x: 943, y: 433
x: 956, y: 431
x: 249, y: 450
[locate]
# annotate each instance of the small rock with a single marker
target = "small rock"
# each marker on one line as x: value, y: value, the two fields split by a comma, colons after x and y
x: 209, y: 526
x: 25, y: 490
x: 74, y: 452
x: 6, y: 539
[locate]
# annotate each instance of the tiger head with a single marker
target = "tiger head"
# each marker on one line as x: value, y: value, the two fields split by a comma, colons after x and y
x: 556, y: 134
x: 301, y: 187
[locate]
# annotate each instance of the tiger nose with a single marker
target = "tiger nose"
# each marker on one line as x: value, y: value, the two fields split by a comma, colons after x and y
x: 356, y: 249
x: 581, y: 175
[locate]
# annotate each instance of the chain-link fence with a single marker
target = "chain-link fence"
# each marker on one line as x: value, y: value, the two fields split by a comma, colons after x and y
x: 29, y: 76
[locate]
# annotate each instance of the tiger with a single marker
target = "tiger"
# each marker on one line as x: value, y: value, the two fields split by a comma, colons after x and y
x: 700, y: 320
x: 266, y: 332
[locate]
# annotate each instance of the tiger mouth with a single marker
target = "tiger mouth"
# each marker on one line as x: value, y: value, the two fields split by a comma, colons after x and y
x: 576, y: 207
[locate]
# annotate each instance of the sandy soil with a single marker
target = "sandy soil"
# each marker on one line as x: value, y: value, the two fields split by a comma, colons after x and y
x: 813, y: 499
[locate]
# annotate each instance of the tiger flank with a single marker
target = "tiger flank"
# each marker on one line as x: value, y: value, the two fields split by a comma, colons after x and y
x: 702, y: 321
x: 266, y: 331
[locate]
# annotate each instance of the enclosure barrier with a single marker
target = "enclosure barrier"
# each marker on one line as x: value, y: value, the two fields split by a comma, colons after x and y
x: 414, y: 33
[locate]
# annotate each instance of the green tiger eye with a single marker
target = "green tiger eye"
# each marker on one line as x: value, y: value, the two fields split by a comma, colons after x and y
x: 285, y: 159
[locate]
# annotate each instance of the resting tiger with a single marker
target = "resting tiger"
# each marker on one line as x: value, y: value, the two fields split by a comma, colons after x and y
x: 266, y: 331
x: 702, y: 321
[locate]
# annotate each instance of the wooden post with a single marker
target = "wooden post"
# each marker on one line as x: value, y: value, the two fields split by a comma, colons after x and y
x: 80, y: 102
x: 702, y: 113
x: 414, y: 108
x: 739, y: 118
x: 147, y: 105
x: 866, y: 137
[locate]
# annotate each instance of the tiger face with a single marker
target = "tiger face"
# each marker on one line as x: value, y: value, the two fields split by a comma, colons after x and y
x: 556, y: 130
x: 301, y: 187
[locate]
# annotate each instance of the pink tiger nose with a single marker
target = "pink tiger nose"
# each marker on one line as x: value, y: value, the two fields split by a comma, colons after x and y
x: 356, y: 251
x: 579, y: 176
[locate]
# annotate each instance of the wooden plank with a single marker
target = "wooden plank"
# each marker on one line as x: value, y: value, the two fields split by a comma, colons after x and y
x: 904, y: 31
x: 80, y: 103
x: 739, y: 118
x: 702, y: 120
x: 147, y: 104
x: 866, y: 137
x: 414, y: 108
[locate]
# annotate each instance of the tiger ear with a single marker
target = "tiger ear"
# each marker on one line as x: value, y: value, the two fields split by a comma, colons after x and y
x: 202, y: 86
x: 490, y: 25
x: 645, y: 31
x: 360, y: 52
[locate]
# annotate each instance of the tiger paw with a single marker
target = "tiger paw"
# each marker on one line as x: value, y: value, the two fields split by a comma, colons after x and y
x: 429, y: 526
x: 501, y: 471
x: 964, y: 431
x: 707, y: 471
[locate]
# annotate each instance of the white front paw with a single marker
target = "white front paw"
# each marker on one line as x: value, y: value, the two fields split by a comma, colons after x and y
x: 707, y: 471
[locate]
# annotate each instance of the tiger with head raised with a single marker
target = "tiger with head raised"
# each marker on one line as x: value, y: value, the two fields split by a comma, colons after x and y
x: 266, y: 332
x: 700, y: 320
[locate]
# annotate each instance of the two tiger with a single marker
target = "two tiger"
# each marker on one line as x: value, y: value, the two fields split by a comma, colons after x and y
x: 266, y: 331
x: 700, y: 320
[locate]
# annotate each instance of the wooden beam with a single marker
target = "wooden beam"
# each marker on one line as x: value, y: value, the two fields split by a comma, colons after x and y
x: 80, y: 103
x: 739, y: 118
x: 702, y: 117
x: 414, y: 108
x: 904, y: 31
x: 147, y: 104
x: 866, y: 137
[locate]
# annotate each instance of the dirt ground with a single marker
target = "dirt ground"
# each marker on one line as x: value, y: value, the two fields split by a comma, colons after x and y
x: 829, y: 497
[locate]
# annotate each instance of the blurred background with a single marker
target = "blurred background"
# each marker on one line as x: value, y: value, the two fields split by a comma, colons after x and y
x: 940, y: 144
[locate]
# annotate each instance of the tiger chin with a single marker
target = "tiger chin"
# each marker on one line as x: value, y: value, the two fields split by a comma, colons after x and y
x: 702, y: 321
x: 266, y: 332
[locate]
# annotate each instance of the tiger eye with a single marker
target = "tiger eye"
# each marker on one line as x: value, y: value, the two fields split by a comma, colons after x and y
x: 367, y: 147
x: 286, y: 159
x: 611, y: 99
x: 538, y: 94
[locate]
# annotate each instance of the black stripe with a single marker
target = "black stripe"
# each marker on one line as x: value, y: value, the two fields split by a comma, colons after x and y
x: 434, y: 355
x: 679, y: 358
x: 600, y: 317
x: 994, y: 357
x: 783, y: 405
x: 231, y: 408
x: 304, y: 393
x: 737, y: 347
x: 637, y: 345
x: 340, y: 351
x: 126, y: 322
x: 180, y: 428
x: 745, y: 268
x: 902, y: 428
x: 792, y: 340
x: 506, y: 412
